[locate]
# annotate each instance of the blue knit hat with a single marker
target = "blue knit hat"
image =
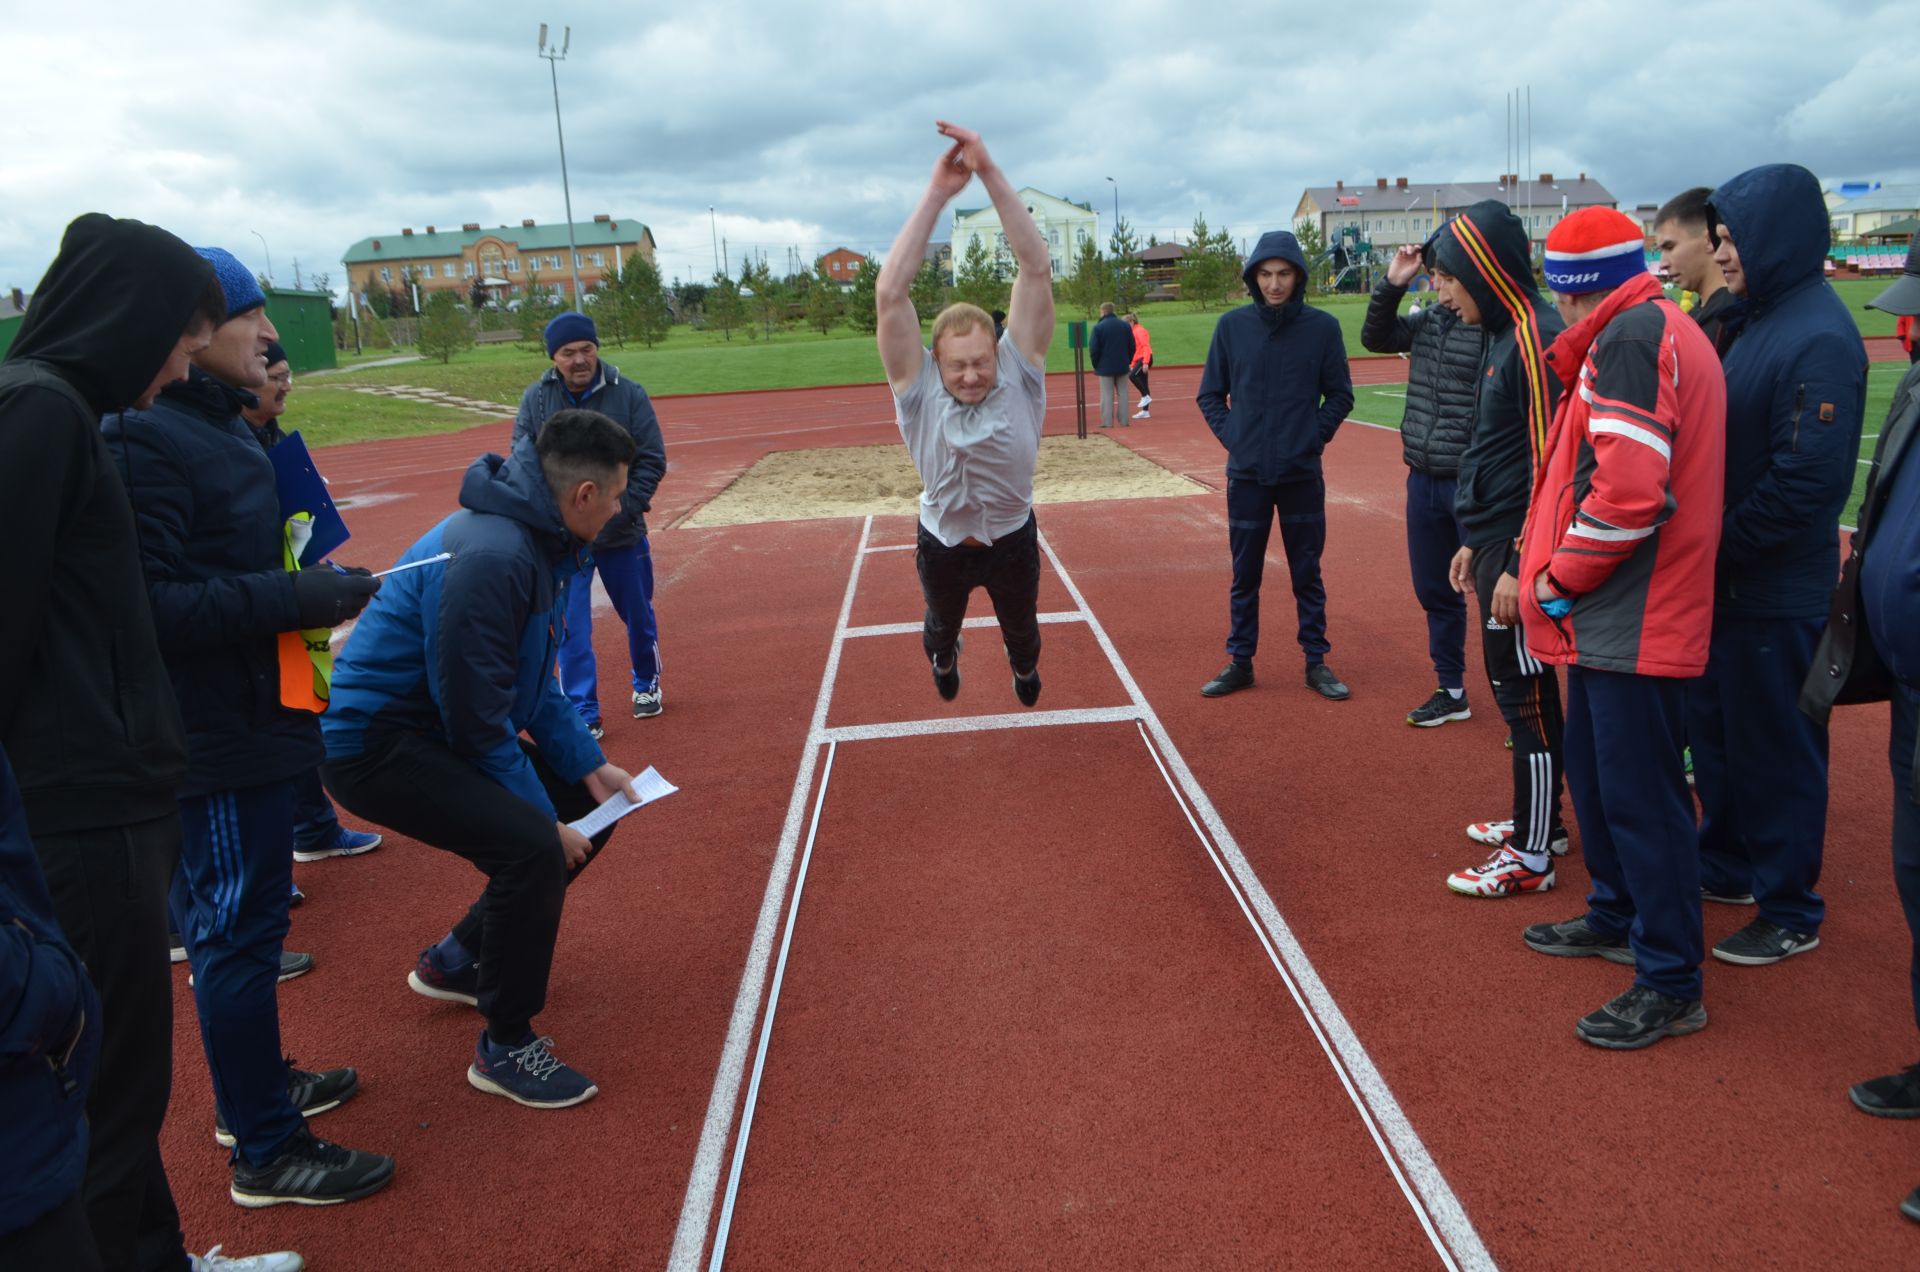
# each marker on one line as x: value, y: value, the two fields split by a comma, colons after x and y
x: 569, y: 327
x: 236, y: 280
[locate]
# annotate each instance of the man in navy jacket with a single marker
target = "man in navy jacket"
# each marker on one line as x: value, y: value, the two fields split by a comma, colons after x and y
x: 1110, y: 350
x: 1796, y: 380
x: 1275, y: 388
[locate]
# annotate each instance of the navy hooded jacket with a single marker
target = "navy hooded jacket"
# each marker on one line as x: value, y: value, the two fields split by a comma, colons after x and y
x: 626, y: 404
x: 1276, y: 383
x: 1796, y: 388
x: 49, y: 1033
x: 213, y: 546
x: 1110, y: 346
x: 464, y: 651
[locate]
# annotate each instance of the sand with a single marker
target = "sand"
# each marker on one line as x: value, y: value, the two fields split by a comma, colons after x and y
x: 853, y: 481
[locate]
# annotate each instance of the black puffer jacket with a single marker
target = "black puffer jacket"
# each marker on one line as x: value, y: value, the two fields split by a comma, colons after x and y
x: 1443, y: 375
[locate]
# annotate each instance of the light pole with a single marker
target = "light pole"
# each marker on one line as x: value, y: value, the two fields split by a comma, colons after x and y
x: 714, y: 226
x: 559, y: 54
x: 269, y: 251
x: 1116, y: 205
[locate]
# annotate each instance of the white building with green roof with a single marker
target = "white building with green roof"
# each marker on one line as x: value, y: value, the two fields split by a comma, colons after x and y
x: 1063, y: 223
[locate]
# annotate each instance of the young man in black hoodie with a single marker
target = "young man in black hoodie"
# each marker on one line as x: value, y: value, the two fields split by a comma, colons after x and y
x: 1483, y: 266
x: 98, y: 756
x: 213, y: 544
x: 1275, y: 388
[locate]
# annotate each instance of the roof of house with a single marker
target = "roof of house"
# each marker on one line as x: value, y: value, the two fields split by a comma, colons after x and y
x: 958, y: 213
x: 399, y: 246
x: 1888, y: 198
x: 1905, y: 225
x: 1161, y: 252
x: 1579, y: 191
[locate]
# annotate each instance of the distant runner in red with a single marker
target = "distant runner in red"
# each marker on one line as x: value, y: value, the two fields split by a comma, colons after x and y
x: 970, y: 410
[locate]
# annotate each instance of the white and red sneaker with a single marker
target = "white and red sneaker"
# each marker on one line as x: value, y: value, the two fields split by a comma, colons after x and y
x: 1503, y: 875
x: 1499, y: 834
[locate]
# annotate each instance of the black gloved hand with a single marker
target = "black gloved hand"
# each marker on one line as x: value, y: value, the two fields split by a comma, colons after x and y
x: 324, y: 597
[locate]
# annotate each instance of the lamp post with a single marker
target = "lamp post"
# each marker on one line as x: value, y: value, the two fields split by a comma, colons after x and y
x: 269, y: 251
x: 1116, y: 205
x: 714, y: 226
x: 553, y: 54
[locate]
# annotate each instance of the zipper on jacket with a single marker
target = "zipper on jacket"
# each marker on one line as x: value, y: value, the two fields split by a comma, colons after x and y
x: 1799, y: 405
x: 68, y: 1086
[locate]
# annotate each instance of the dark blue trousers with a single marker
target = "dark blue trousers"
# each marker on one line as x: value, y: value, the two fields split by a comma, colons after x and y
x: 236, y: 865
x: 1906, y: 819
x: 1433, y: 537
x: 1760, y: 768
x: 1629, y: 788
x: 1301, y: 507
x: 315, y: 824
x: 628, y: 576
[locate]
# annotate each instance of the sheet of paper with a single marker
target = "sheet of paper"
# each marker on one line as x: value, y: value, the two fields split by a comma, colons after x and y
x: 651, y: 786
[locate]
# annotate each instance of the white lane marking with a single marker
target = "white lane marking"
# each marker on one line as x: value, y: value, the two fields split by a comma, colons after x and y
x: 1386, y: 428
x: 766, y: 1028
x: 1435, y: 1204
x: 911, y: 629
x: 978, y: 724
x: 894, y: 547
x: 690, y: 1236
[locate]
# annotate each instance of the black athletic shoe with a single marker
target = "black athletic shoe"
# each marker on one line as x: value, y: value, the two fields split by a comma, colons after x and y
x: 1235, y: 675
x: 308, y: 1171
x: 948, y: 681
x: 1911, y: 1206
x: 1761, y: 942
x: 294, y: 964
x: 1726, y: 896
x: 1439, y: 709
x: 1576, y: 939
x: 1321, y: 680
x: 1027, y: 687
x: 1639, y: 1018
x: 311, y: 1093
x: 1894, y: 1095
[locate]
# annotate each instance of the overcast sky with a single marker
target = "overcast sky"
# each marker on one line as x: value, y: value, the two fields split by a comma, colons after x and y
x: 312, y: 125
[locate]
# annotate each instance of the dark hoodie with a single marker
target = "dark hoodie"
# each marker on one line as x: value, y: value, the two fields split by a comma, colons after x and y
x: 1796, y: 387
x: 1276, y: 384
x: 85, y: 709
x: 1486, y: 248
x: 465, y: 651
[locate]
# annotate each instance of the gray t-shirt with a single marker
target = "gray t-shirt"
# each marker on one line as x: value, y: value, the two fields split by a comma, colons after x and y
x: 975, y: 462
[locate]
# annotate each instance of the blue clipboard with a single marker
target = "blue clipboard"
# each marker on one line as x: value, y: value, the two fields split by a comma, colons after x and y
x: 301, y: 489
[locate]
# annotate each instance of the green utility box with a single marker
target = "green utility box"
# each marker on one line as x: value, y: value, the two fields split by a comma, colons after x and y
x: 305, y: 322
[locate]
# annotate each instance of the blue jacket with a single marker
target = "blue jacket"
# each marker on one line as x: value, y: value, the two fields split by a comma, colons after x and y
x: 626, y: 404
x: 464, y: 651
x: 49, y: 1033
x: 1110, y: 347
x: 1796, y: 387
x: 212, y: 545
x: 1276, y: 384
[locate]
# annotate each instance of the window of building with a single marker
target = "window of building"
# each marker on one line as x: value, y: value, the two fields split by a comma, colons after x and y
x: 834, y: 267
x: 553, y: 262
x: 468, y: 269
x: 386, y: 273
x: 599, y: 260
x: 513, y: 266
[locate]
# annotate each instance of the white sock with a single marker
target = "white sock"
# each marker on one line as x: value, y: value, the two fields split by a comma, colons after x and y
x: 1536, y: 861
x: 1457, y: 694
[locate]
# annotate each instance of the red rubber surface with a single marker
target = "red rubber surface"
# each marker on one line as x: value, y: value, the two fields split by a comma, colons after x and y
x: 1024, y: 1024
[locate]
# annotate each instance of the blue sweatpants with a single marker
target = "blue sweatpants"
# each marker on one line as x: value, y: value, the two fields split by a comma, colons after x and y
x: 1760, y: 768
x: 1301, y: 507
x: 1629, y: 787
x: 628, y: 575
x: 1902, y: 757
x: 236, y: 865
x: 1433, y: 538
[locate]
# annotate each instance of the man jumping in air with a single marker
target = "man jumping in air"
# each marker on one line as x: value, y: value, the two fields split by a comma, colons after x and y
x: 970, y: 410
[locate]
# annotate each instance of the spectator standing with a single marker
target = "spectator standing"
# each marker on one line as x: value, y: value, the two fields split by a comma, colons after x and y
x: 1680, y: 231
x: 1141, y: 365
x: 1110, y: 349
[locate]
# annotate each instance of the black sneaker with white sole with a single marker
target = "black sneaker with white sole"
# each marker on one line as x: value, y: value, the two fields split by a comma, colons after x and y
x: 1891, y: 1095
x: 648, y: 703
x: 1762, y: 942
x: 309, y: 1171
x: 948, y: 681
x: 312, y: 1093
x: 1576, y: 938
x: 1321, y: 680
x: 1441, y: 708
x: 1639, y: 1018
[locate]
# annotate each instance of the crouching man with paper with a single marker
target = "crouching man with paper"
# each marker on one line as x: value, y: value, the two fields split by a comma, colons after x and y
x: 431, y: 694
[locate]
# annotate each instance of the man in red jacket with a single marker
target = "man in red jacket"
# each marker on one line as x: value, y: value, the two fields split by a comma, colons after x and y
x: 1616, y: 584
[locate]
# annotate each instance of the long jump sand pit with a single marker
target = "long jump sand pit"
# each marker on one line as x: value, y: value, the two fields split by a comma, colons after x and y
x: 853, y: 481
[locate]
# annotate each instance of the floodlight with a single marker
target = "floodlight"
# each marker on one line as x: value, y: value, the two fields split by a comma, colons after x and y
x: 543, y: 37
x: 566, y: 41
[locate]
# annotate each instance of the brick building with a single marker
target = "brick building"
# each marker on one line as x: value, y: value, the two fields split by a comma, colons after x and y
x: 1388, y: 214
x: 840, y: 265
x: 506, y: 260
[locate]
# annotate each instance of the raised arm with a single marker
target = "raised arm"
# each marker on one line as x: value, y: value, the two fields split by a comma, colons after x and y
x: 898, y: 327
x: 1030, y: 312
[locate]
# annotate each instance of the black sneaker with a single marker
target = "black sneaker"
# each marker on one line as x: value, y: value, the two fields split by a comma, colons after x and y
x: 1911, y: 1206
x: 1027, y: 687
x: 648, y: 703
x: 596, y: 731
x: 1761, y: 942
x: 1235, y: 675
x: 311, y: 1093
x: 1321, y: 680
x: 948, y: 681
x: 1726, y: 896
x: 1439, y: 709
x: 1576, y: 939
x: 1895, y: 1095
x: 292, y: 964
x: 1639, y: 1018
x: 308, y: 1171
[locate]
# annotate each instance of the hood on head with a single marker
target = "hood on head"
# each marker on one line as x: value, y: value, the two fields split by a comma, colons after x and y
x: 1778, y: 220
x: 1487, y: 249
x: 111, y: 308
x: 1281, y: 245
x: 516, y: 487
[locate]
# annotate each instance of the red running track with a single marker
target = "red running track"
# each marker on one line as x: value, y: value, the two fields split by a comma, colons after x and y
x: 1024, y: 1021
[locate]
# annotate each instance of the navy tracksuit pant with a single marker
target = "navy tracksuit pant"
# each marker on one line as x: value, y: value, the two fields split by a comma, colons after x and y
x: 1760, y: 768
x: 315, y: 824
x: 1629, y: 786
x: 628, y: 576
x: 1904, y: 758
x: 1301, y: 507
x: 236, y: 867
x: 1433, y: 538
